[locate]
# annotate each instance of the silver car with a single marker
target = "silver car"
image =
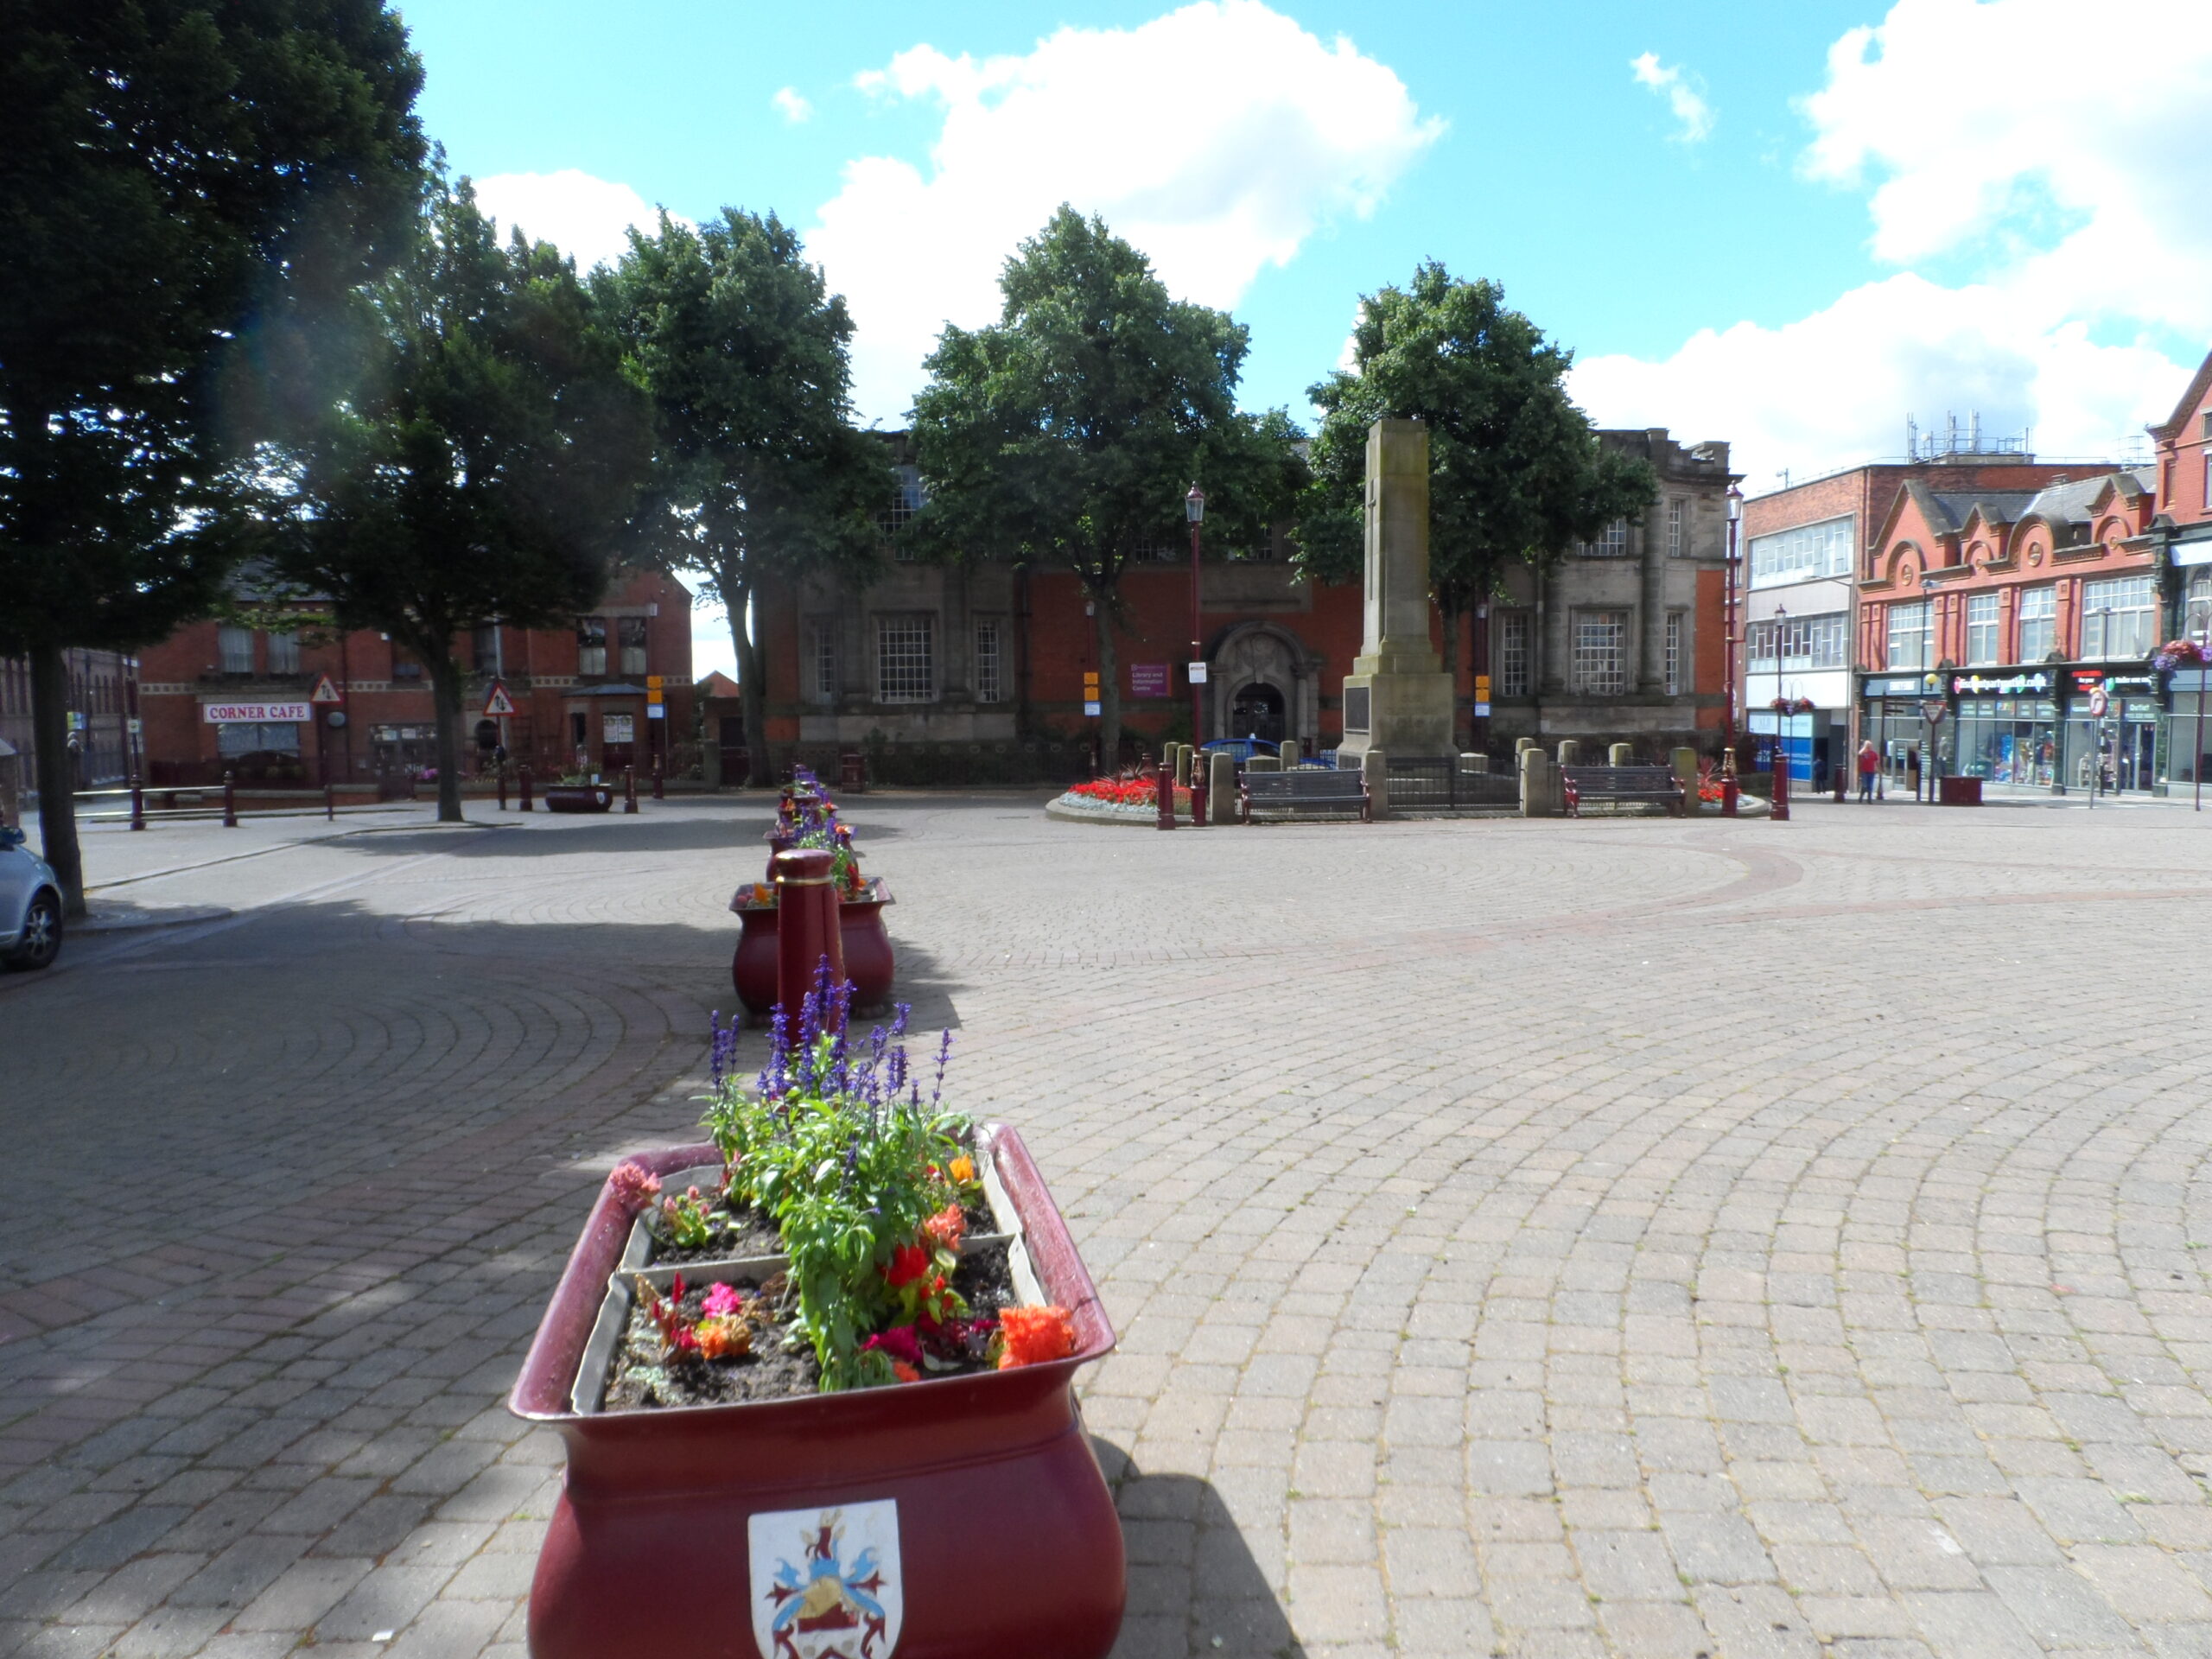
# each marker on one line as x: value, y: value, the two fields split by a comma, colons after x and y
x: 30, y: 905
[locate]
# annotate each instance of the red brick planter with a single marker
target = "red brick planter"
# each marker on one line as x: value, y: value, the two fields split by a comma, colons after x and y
x: 578, y: 797
x: 869, y: 963
x: 1002, y: 1534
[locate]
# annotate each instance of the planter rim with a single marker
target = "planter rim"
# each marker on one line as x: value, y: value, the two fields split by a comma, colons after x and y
x: 876, y: 884
x: 542, y: 1390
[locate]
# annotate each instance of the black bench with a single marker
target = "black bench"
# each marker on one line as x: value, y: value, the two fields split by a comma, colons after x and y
x: 1304, y: 792
x: 1659, y: 783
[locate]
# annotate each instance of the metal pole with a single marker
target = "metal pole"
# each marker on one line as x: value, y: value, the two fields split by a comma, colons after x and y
x: 499, y: 770
x: 138, y: 801
x: 629, y: 789
x: 330, y: 803
x: 2196, y: 762
x: 1198, y: 690
x: 524, y: 777
x: 659, y: 793
x: 230, y: 800
x: 1167, y: 797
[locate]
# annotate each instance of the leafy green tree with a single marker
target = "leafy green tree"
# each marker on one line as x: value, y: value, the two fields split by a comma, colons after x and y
x: 1517, y: 473
x: 759, y: 471
x: 1067, y: 432
x: 484, y: 467
x: 169, y: 169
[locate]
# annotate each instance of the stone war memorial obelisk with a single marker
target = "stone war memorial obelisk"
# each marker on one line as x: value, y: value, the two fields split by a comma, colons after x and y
x: 1398, y: 695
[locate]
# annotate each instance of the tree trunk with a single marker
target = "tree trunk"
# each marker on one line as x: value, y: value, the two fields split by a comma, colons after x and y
x: 1447, y: 609
x: 1109, y: 690
x: 445, y: 691
x: 55, y: 775
x: 752, y: 690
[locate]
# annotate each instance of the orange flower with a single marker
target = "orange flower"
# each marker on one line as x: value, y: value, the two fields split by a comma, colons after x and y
x: 963, y: 1170
x: 1032, y: 1336
x: 945, y: 1228
x: 725, y: 1339
x: 904, y: 1372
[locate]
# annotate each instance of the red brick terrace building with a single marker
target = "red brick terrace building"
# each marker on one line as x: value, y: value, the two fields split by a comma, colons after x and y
x: 216, y: 697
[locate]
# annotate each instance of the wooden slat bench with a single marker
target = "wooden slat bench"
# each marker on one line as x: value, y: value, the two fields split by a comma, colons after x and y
x: 1632, y: 783
x: 1305, y: 792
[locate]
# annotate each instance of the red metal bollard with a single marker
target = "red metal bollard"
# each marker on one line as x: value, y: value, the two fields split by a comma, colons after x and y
x: 629, y: 789
x: 502, y: 770
x: 1166, y: 795
x: 524, y: 777
x: 138, y: 803
x: 1781, y: 813
x: 659, y: 793
x: 807, y: 928
x: 230, y: 800
x: 330, y: 803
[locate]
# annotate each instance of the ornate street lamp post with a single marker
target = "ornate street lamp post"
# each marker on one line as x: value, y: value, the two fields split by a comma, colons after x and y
x: 1194, y: 508
x: 1728, y: 785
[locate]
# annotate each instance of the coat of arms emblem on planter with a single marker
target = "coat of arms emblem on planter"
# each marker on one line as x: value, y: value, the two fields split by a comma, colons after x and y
x: 825, y: 1582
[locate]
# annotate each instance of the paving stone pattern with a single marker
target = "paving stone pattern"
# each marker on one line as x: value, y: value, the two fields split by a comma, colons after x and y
x: 1631, y: 1238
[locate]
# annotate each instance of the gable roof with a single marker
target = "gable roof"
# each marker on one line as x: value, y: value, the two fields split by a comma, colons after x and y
x: 717, y: 684
x: 2168, y: 429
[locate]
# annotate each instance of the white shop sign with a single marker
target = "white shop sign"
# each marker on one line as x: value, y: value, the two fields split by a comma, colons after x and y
x: 263, y: 713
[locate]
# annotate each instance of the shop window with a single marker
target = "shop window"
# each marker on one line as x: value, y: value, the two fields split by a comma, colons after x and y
x: 2038, y: 623
x: 591, y: 646
x: 1908, y: 637
x: 906, y: 661
x: 234, y: 649
x: 2118, y: 617
x: 1982, y: 631
x: 1601, y: 652
x: 235, y: 738
x: 630, y: 634
x: 1513, y: 654
x: 990, y: 685
x: 1674, y: 653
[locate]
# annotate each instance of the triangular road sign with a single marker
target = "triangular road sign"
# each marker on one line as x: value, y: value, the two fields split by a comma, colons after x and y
x: 325, y: 691
x: 499, y: 705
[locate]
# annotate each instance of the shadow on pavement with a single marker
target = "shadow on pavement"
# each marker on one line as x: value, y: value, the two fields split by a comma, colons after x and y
x: 1195, y: 1588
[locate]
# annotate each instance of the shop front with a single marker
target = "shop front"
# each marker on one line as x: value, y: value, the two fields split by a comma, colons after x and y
x: 1893, y: 716
x: 2008, y: 727
x: 2112, y: 729
x: 2188, y: 730
x: 606, y: 730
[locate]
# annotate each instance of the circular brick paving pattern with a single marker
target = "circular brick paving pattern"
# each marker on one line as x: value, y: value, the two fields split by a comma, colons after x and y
x: 1626, y: 1238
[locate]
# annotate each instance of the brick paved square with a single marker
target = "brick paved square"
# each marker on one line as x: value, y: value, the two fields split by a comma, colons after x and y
x: 1621, y: 1238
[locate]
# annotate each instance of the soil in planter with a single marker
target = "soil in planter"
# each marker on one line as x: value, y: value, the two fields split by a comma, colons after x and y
x: 638, y: 1380
x: 739, y: 1233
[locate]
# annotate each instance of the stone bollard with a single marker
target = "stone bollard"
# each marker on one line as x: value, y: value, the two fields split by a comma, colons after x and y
x: 1474, y: 763
x: 807, y: 928
x: 1182, y: 766
x: 1570, y: 752
x: 1263, y: 763
x: 1221, y: 798
x: 1621, y: 754
x: 1685, y: 764
x: 1539, y: 785
x: 1375, y: 768
x: 1521, y: 745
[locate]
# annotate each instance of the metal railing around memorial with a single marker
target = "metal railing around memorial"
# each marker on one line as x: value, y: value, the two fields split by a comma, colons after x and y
x: 1439, y: 783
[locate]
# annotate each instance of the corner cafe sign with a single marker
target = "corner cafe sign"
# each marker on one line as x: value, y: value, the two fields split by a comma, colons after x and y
x: 2018, y: 685
x: 266, y: 714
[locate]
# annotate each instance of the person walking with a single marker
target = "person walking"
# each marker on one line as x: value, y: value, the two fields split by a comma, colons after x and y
x: 1869, y: 764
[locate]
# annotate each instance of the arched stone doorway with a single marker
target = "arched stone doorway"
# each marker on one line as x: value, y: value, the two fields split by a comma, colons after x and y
x: 1258, y: 711
x: 1262, y: 678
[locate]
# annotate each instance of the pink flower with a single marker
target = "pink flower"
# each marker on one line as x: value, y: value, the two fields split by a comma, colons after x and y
x: 899, y: 1342
x: 633, y: 1188
x: 723, y: 1299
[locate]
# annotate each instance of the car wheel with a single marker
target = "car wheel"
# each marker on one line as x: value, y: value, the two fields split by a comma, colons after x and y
x: 41, y: 942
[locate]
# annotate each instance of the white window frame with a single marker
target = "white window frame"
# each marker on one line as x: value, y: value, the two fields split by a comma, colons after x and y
x: 821, y: 660
x: 1675, y: 632
x: 1598, y: 648
x: 1612, y: 542
x: 627, y: 629
x: 1800, y: 553
x: 2038, y: 609
x: 2131, y: 629
x: 906, y: 499
x: 1896, y: 638
x: 1985, y: 631
x: 591, y: 647
x: 905, y: 659
x: 990, y: 678
x: 1678, y: 509
x: 1513, y: 634
x: 234, y: 648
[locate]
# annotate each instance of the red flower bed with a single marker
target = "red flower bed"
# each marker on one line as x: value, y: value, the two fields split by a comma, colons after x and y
x: 1133, y: 792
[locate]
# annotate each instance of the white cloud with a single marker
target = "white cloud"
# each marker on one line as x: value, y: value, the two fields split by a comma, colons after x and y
x: 788, y: 103
x: 2081, y: 209
x: 581, y: 215
x: 1216, y: 138
x: 1690, y: 108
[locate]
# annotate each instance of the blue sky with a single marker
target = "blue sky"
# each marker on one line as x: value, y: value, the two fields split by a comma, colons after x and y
x: 1788, y: 226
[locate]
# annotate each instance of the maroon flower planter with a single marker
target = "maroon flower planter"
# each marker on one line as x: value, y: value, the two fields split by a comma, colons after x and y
x: 869, y: 963
x: 949, y: 1518
x: 579, y: 798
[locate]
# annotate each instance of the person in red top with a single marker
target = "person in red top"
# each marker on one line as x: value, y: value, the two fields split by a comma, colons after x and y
x: 1869, y: 764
